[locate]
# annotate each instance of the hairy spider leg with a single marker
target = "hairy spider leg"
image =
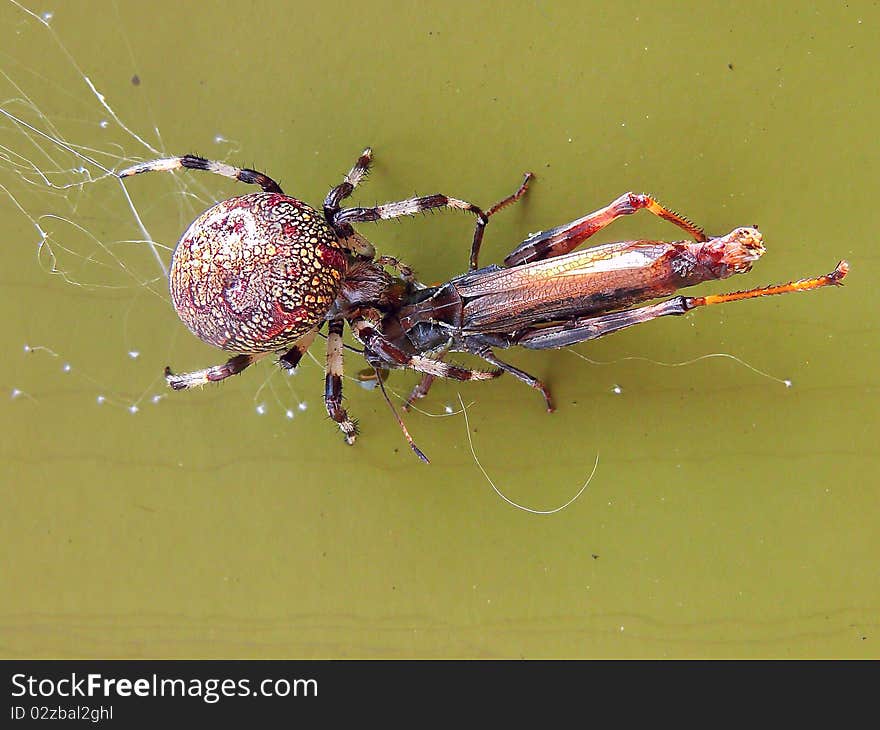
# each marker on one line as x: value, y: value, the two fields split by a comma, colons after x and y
x: 591, y: 328
x: 352, y: 240
x: 333, y: 382
x: 193, y: 162
x: 420, y: 390
x: 233, y: 366
x: 563, y: 239
x: 354, y: 177
x: 290, y: 359
x: 424, y: 385
x: 367, y: 331
x: 343, y: 218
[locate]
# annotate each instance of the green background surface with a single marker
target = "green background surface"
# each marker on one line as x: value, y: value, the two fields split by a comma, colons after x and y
x: 729, y: 516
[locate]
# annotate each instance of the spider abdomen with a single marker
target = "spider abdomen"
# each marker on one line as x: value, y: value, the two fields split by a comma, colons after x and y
x: 256, y: 272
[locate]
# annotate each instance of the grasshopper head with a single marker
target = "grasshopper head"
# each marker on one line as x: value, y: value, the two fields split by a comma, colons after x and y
x: 735, y: 252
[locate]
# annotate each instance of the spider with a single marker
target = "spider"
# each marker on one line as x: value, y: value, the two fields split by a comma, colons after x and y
x: 262, y: 272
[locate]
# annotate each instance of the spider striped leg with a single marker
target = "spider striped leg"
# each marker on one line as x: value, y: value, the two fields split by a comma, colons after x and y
x: 193, y: 162
x: 421, y: 389
x: 566, y: 238
x: 343, y: 219
x: 410, y: 206
x: 290, y: 359
x: 333, y: 383
x: 591, y: 328
x: 354, y: 177
x: 352, y: 240
x: 233, y: 366
x: 367, y: 331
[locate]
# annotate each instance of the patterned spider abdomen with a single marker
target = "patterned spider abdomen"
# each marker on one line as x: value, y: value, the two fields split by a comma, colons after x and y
x: 256, y: 272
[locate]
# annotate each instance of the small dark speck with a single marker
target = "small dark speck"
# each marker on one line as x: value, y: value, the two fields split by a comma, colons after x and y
x: 595, y: 557
x: 136, y: 80
x: 730, y: 66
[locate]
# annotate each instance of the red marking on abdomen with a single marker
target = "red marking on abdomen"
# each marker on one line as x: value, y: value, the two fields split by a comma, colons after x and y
x: 283, y: 319
x: 332, y: 257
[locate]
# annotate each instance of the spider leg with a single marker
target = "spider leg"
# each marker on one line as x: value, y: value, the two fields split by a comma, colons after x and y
x: 412, y: 206
x: 233, y: 366
x: 591, y: 328
x: 352, y: 240
x: 290, y: 359
x: 368, y: 332
x: 566, y: 238
x: 333, y: 382
x: 193, y: 162
x: 348, y: 184
x: 343, y: 218
x: 420, y: 390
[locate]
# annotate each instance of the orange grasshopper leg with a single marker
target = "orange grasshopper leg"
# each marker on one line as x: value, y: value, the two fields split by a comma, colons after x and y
x: 564, y: 239
x: 833, y: 279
